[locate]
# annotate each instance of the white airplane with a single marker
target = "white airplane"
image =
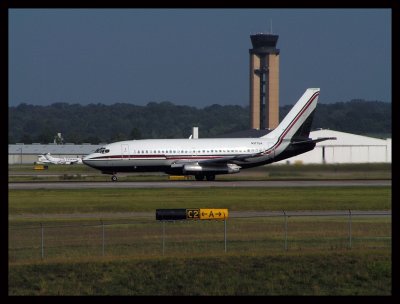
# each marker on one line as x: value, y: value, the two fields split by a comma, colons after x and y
x: 63, y: 161
x: 205, y: 158
x: 42, y: 160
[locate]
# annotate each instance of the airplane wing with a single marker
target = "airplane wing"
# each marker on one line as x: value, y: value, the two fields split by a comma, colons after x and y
x: 227, y: 159
x: 215, y: 161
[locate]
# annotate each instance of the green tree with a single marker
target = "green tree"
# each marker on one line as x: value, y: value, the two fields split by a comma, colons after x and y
x: 135, y: 134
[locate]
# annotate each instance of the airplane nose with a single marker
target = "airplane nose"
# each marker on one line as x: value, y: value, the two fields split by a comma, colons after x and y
x: 86, y: 159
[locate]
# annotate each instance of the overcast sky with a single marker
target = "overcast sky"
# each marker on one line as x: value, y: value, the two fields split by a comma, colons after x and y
x: 196, y: 57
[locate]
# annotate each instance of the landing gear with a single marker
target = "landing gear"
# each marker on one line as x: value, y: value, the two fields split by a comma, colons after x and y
x: 114, y: 178
x: 209, y: 177
x: 199, y: 177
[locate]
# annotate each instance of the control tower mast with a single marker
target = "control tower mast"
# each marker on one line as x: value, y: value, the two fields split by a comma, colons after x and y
x: 264, y: 82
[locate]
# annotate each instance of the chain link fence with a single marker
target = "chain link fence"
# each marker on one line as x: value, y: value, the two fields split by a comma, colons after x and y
x: 270, y: 231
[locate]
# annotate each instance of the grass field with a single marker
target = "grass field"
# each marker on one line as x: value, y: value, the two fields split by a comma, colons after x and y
x: 147, y: 237
x: 128, y: 200
x: 316, y: 273
x: 311, y: 257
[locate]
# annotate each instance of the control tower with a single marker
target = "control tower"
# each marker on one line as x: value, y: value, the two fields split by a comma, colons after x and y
x: 264, y: 82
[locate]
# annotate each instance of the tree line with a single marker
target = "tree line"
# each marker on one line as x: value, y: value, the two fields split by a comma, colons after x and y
x: 99, y: 123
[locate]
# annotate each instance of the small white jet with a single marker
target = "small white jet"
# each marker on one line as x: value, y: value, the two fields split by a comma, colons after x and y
x: 42, y: 160
x: 63, y: 160
x: 207, y: 157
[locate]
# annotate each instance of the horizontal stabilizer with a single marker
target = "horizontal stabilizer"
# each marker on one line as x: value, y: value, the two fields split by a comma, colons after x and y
x: 313, y: 140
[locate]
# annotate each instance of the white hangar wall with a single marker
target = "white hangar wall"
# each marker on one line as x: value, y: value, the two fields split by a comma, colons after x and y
x: 347, y: 148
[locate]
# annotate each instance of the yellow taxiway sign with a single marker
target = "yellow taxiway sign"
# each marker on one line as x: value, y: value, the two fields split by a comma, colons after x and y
x: 213, y: 214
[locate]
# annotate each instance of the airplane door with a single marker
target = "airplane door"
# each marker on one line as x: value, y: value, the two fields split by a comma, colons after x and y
x: 125, y: 151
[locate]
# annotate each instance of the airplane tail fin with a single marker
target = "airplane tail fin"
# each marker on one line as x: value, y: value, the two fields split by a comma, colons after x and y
x: 297, y: 123
x: 47, y: 156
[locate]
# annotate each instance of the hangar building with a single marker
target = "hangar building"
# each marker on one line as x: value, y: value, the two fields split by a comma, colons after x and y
x: 347, y: 148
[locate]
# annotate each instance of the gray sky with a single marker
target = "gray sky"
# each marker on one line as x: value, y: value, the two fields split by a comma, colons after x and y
x: 194, y: 57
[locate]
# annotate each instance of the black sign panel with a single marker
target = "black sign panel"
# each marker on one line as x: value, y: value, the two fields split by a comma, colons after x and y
x: 170, y: 214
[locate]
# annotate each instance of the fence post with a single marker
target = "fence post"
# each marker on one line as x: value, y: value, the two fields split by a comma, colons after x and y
x: 42, y: 239
x: 349, y: 228
x: 284, y: 213
x: 163, y: 237
x: 103, y: 239
x: 225, y: 232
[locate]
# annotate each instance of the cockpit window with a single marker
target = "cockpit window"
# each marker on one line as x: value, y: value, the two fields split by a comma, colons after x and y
x: 102, y: 150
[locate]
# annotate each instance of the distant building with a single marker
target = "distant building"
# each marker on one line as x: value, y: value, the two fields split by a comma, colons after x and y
x: 347, y: 148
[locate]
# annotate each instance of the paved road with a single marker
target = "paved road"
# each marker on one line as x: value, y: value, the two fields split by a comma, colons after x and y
x: 196, y: 184
x: 232, y: 214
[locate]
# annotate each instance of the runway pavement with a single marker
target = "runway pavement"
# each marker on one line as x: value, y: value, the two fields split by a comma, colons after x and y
x: 232, y: 214
x: 199, y: 184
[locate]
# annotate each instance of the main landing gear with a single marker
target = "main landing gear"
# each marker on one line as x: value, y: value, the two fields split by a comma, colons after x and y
x: 200, y: 177
x: 113, y: 175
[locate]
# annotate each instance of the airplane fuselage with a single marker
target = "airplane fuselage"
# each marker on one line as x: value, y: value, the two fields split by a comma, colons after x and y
x: 209, y: 157
x: 173, y: 155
